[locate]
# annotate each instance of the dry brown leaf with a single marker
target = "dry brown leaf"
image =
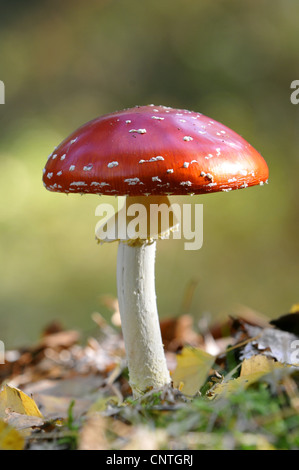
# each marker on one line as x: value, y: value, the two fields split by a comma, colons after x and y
x: 178, y: 332
x: 20, y: 421
x: 61, y: 339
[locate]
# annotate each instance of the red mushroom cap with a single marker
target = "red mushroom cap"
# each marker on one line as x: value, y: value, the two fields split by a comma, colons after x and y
x: 153, y: 150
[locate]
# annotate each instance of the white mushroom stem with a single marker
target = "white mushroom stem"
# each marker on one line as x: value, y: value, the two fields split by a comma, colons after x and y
x: 136, y: 284
x: 139, y: 317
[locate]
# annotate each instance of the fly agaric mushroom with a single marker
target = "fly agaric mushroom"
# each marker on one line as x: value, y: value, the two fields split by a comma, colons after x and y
x: 140, y: 153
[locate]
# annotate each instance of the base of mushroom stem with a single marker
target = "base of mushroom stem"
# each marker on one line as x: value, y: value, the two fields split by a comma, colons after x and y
x: 167, y: 394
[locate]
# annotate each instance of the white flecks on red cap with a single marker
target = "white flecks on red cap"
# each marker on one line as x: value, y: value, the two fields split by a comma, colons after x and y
x: 158, y: 118
x: 178, y: 149
x: 132, y: 181
x: 153, y: 159
x: 78, y: 183
x: 96, y: 183
x: 138, y: 131
x: 88, y: 167
x: 112, y: 164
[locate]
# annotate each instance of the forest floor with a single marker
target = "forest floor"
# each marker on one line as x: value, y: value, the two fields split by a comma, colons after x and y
x: 234, y: 386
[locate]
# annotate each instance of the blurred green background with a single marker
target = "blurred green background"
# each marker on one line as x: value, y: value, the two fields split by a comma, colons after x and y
x: 64, y: 63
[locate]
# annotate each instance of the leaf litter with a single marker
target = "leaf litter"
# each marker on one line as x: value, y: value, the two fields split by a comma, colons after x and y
x: 231, y: 380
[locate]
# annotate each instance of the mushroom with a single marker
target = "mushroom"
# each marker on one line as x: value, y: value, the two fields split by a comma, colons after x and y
x: 146, y: 154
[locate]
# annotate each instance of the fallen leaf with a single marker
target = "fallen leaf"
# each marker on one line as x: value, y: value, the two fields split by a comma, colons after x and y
x: 60, y: 339
x: 10, y: 438
x: 272, y: 342
x: 294, y: 308
x: 21, y: 422
x: 177, y: 332
x: 15, y: 400
x: 258, y: 363
x: 193, y: 367
x: 253, y: 369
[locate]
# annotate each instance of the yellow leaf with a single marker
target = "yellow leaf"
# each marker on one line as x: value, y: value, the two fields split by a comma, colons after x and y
x: 10, y: 438
x: 13, y: 399
x: 257, y: 363
x: 294, y: 308
x: 253, y: 369
x: 193, y: 367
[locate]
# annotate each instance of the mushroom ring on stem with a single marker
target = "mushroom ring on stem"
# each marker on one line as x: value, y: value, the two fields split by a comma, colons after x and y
x: 147, y: 153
